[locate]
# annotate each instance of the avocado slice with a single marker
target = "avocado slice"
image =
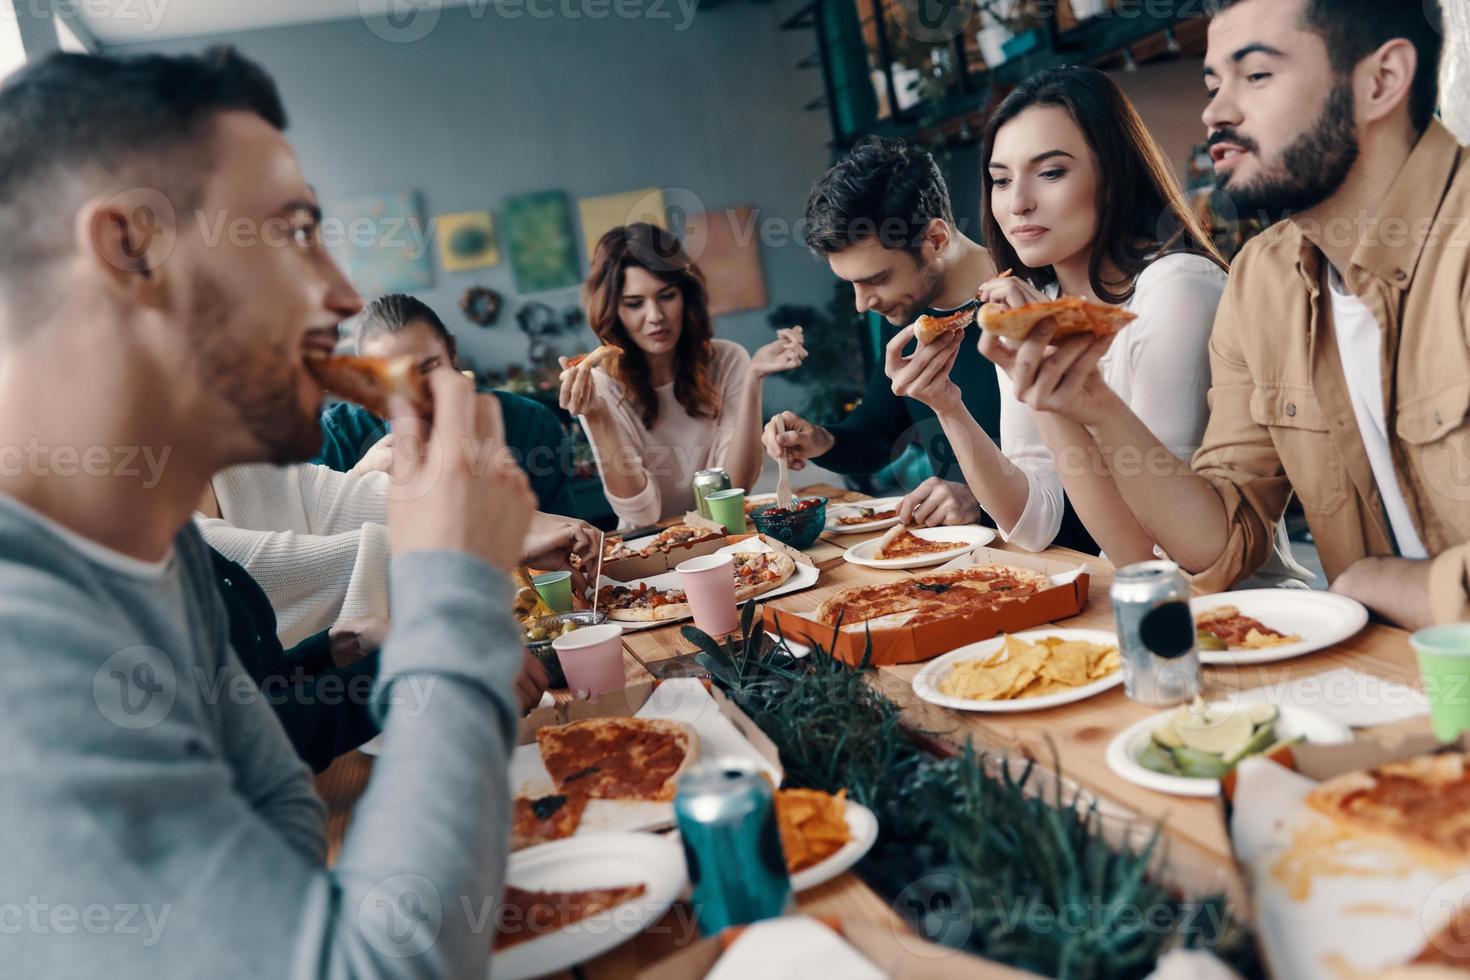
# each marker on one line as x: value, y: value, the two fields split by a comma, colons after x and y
x: 1199, y: 765
x: 1159, y: 759
x: 1261, y: 739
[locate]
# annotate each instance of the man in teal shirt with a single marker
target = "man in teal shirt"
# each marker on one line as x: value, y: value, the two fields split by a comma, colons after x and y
x: 397, y: 325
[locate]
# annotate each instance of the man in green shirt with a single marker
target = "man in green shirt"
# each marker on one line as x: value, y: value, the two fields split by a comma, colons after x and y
x: 396, y: 325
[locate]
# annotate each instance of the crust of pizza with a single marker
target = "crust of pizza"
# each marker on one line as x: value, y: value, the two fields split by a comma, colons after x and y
x: 369, y: 381
x: 1422, y: 803
x: 644, y: 612
x: 928, y: 329
x: 1073, y: 315
x: 618, y: 758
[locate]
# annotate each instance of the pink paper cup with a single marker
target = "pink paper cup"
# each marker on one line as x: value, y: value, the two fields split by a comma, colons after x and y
x: 709, y: 583
x: 592, y: 659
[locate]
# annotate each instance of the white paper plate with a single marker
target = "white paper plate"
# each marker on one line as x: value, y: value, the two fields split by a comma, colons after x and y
x: 835, y: 511
x: 1123, y: 751
x: 1319, y: 618
x: 863, y: 827
x: 596, y: 861
x: 926, y: 682
x: 964, y: 536
x: 804, y: 577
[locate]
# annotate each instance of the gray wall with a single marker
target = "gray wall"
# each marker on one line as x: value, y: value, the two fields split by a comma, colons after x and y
x: 484, y: 106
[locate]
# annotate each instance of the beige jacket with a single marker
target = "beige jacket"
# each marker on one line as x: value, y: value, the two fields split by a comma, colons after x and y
x: 1281, y: 419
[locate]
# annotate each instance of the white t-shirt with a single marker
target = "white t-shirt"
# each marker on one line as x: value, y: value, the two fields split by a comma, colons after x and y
x: 1360, y: 345
x: 678, y: 445
x: 1159, y: 364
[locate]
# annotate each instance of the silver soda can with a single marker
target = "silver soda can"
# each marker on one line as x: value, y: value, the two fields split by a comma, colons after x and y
x: 1156, y: 633
x: 732, y: 845
x: 707, y: 482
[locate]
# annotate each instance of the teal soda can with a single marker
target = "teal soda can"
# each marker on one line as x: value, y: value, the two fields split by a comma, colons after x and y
x: 732, y: 845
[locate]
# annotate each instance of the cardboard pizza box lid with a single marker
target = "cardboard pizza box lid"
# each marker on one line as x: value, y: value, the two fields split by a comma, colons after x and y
x: 781, y: 547
x: 628, y: 569
x: 908, y: 644
x: 626, y: 702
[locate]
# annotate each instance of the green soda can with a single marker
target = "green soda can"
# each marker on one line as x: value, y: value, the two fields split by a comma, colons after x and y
x: 707, y: 482
x: 732, y: 845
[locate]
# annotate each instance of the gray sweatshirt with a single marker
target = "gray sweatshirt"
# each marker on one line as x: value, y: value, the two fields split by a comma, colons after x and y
x: 154, y: 819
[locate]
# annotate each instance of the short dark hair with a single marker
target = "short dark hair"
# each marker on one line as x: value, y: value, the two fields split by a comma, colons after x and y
x: 1353, y: 29
x: 394, y: 312
x: 884, y: 189
x: 74, y: 125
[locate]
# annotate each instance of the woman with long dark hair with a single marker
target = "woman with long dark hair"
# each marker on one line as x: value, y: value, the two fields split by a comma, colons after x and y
x: 677, y: 400
x: 1078, y: 200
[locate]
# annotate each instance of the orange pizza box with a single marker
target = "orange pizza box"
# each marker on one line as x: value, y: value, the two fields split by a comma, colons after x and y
x: 1308, y: 876
x: 726, y: 732
x: 628, y: 569
x: 909, y: 644
x: 776, y: 947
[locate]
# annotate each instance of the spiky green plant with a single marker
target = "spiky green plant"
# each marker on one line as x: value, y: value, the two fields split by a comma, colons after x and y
x: 977, y: 853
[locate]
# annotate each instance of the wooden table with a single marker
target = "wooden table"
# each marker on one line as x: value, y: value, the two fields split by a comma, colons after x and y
x: 1078, y: 733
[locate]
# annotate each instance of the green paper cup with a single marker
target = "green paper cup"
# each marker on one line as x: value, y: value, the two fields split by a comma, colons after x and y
x: 556, y: 589
x: 1444, y: 667
x: 727, y: 507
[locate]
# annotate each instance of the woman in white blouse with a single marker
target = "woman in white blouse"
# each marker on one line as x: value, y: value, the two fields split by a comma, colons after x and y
x: 678, y: 400
x: 1078, y: 200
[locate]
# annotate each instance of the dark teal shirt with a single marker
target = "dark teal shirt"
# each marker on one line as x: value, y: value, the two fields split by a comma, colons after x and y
x: 532, y: 432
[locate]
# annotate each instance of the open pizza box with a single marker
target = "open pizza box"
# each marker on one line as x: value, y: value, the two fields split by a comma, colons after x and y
x: 643, y: 566
x: 908, y: 644
x: 723, y: 731
x: 797, y: 946
x: 1332, y: 902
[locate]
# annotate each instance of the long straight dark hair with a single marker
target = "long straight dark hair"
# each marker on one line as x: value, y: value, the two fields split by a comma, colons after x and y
x: 1141, y: 211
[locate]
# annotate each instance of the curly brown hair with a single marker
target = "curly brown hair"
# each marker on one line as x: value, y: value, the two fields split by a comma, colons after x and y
x: 662, y: 255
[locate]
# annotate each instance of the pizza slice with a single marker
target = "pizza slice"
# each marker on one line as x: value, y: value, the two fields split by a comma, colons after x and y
x: 758, y: 572
x: 525, y: 914
x: 900, y: 542
x: 683, y: 534
x: 369, y: 381
x: 642, y: 603
x: 1231, y: 627
x: 606, y: 354
x: 545, y: 818
x: 1423, y: 802
x: 867, y: 515
x: 618, y: 758
x: 1072, y: 314
x: 930, y: 328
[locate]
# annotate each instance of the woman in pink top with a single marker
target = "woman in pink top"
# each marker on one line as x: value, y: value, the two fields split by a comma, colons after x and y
x: 678, y: 400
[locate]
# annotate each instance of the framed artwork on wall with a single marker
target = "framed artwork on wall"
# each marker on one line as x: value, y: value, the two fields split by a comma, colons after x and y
x: 725, y: 244
x: 466, y: 240
x: 602, y: 214
x: 387, y: 242
x: 538, y: 237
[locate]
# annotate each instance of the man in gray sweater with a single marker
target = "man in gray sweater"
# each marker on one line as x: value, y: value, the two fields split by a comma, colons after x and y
x: 161, y: 281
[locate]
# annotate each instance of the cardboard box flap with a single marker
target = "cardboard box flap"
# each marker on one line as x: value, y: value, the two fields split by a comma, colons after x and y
x: 642, y: 566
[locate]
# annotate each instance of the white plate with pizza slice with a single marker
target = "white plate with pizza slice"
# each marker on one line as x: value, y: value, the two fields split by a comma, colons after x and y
x: 639, y: 876
x: 862, y: 827
x: 671, y: 595
x: 926, y: 682
x: 1288, y: 623
x: 863, y: 516
x: 919, y: 547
